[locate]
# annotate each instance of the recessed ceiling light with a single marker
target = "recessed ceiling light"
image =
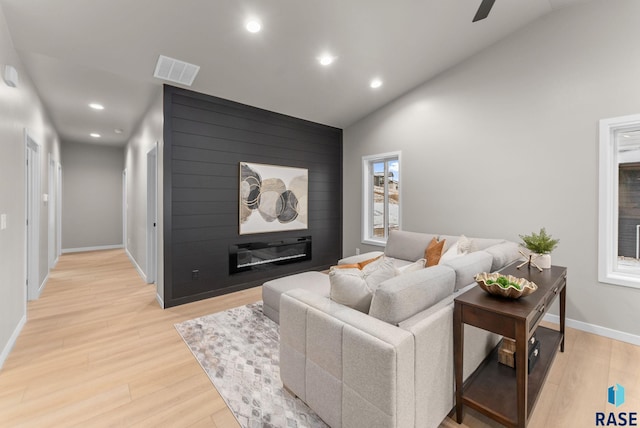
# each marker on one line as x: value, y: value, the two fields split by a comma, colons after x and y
x: 118, y: 131
x: 253, y: 26
x: 95, y: 135
x: 375, y: 83
x: 96, y: 106
x: 326, y: 59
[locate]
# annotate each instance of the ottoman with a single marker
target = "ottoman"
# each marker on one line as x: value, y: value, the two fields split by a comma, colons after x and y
x: 316, y: 282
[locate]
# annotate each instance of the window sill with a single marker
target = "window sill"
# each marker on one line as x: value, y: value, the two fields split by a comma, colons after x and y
x: 626, y: 279
x: 376, y: 242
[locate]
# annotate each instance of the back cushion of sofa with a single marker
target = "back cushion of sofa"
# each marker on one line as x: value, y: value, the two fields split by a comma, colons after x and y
x: 407, y: 245
x: 467, y: 266
x: 503, y: 254
x: 405, y: 295
x: 476, y: 244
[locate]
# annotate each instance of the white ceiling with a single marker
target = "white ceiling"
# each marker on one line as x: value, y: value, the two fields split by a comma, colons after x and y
x: 77, y: 52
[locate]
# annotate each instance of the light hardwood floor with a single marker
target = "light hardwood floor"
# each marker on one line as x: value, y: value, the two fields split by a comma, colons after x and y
x: 97, y: 350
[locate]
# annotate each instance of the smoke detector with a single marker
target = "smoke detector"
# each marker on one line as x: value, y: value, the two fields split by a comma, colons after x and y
x: 175, y: 70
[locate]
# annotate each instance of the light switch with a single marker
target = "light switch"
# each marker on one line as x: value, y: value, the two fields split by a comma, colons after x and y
x: 3, y: 221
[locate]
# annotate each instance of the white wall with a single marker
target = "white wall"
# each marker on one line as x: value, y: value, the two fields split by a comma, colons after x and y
x: 91, y: 196
x: 143, y: 140
x: 507, y: 141
x: 20, y: 108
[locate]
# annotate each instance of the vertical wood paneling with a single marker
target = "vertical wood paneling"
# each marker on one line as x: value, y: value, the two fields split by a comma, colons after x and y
x: 205, y: 139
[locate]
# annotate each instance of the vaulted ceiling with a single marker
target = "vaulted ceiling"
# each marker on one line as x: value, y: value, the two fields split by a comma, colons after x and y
x: 78, y: 52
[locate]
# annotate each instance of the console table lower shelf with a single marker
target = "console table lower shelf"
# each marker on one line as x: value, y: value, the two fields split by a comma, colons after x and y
x: 500, y: 392
x: 491, y: 389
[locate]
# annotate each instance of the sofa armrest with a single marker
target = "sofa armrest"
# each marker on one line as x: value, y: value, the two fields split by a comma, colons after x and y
x: 350, y: 368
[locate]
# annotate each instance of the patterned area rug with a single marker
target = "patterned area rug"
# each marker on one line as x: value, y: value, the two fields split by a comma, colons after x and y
x: 238, y: 349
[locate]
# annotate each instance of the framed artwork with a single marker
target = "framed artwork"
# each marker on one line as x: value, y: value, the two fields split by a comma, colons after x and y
x: 272, y: 198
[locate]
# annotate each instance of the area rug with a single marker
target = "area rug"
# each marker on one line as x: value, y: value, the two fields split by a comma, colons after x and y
x: 238, y: 349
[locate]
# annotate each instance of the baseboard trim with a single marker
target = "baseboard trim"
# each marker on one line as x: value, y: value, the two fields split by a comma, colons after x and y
x: 160, y: 301
x: 136, y: 265
x: 12, y: 340
x: 44, y: 282
x: 99, y: 248
x: 596, y: 329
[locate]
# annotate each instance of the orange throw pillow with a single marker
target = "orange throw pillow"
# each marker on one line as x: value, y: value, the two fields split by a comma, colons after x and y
x: 347, y: 266
x: 360, y: 265
x: 434, y: 252
x: 366, y: 262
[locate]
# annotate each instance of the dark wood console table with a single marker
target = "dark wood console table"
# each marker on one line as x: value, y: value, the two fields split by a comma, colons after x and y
x: 500, y: 392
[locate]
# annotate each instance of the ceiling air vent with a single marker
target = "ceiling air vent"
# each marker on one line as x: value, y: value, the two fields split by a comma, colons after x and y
x: 175, y: 70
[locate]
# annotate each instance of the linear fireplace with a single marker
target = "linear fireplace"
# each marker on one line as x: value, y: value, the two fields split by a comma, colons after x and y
x: 264, y: 255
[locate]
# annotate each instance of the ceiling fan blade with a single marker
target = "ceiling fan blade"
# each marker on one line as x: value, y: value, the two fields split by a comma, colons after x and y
x: 483, y: 10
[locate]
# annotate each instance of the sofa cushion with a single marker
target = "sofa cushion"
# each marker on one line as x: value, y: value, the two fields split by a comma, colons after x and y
x: 503, y: 254
x: 476, y: 244
x: 403, y: 296
x: 317, y: 282
x: 354, y: 287
x: 467, y: 266
x: 484, y: 243
x: 407, y: 245
x: 434, y: 251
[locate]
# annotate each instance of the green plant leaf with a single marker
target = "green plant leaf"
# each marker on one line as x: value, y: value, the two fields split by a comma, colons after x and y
x: 540, y: 243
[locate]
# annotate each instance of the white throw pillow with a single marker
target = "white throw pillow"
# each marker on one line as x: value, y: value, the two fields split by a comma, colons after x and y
x: 465, y: 245
x: 354, y: 287
x: 452, y: 253
x: 417, y: 265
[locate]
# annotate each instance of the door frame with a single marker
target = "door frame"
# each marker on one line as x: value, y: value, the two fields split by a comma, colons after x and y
x: 51, y: 210
x: 152, y: 214
x: 58, y: 211
x: 32, y: 216
x: 124, y: 210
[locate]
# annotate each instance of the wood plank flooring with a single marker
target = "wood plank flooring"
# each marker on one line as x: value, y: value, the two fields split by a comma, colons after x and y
x: 98, y: 351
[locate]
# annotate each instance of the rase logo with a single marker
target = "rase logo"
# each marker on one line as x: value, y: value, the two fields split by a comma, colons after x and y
x: 615, y: 396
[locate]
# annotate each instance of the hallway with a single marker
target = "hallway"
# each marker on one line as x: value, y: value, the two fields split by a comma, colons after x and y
x: 97, y: 350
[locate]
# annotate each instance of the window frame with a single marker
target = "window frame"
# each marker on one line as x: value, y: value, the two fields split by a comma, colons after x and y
x: 608, y: 269
x: 367, y: 200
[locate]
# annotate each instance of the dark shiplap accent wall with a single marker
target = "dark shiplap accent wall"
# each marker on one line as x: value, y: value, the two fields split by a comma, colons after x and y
x: 205, y: 139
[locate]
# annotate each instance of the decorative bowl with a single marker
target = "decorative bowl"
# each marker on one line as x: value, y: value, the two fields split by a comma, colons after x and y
x: 515, y: 288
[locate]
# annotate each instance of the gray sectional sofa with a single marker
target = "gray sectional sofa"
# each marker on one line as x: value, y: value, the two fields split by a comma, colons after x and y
x: 393, y: 366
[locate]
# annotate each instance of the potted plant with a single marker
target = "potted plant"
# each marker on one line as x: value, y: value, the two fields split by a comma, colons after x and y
x: 540, y: 245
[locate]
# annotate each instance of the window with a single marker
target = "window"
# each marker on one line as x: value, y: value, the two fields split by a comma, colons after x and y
x: 381, y: 203
x: 619, y: 219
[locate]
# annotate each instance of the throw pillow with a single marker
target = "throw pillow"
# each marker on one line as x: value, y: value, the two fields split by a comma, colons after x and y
x: 360, y: 265
x: 347, y: 266
x: 417, y: 265
x: 452, y: 253
x: 434, y: 251
x: 465, y: 245
x: 366, y: 262
x: 354, y: 287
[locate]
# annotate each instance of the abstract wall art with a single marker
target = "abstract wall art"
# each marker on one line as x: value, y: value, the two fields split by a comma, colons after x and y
x: 272, y: 198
